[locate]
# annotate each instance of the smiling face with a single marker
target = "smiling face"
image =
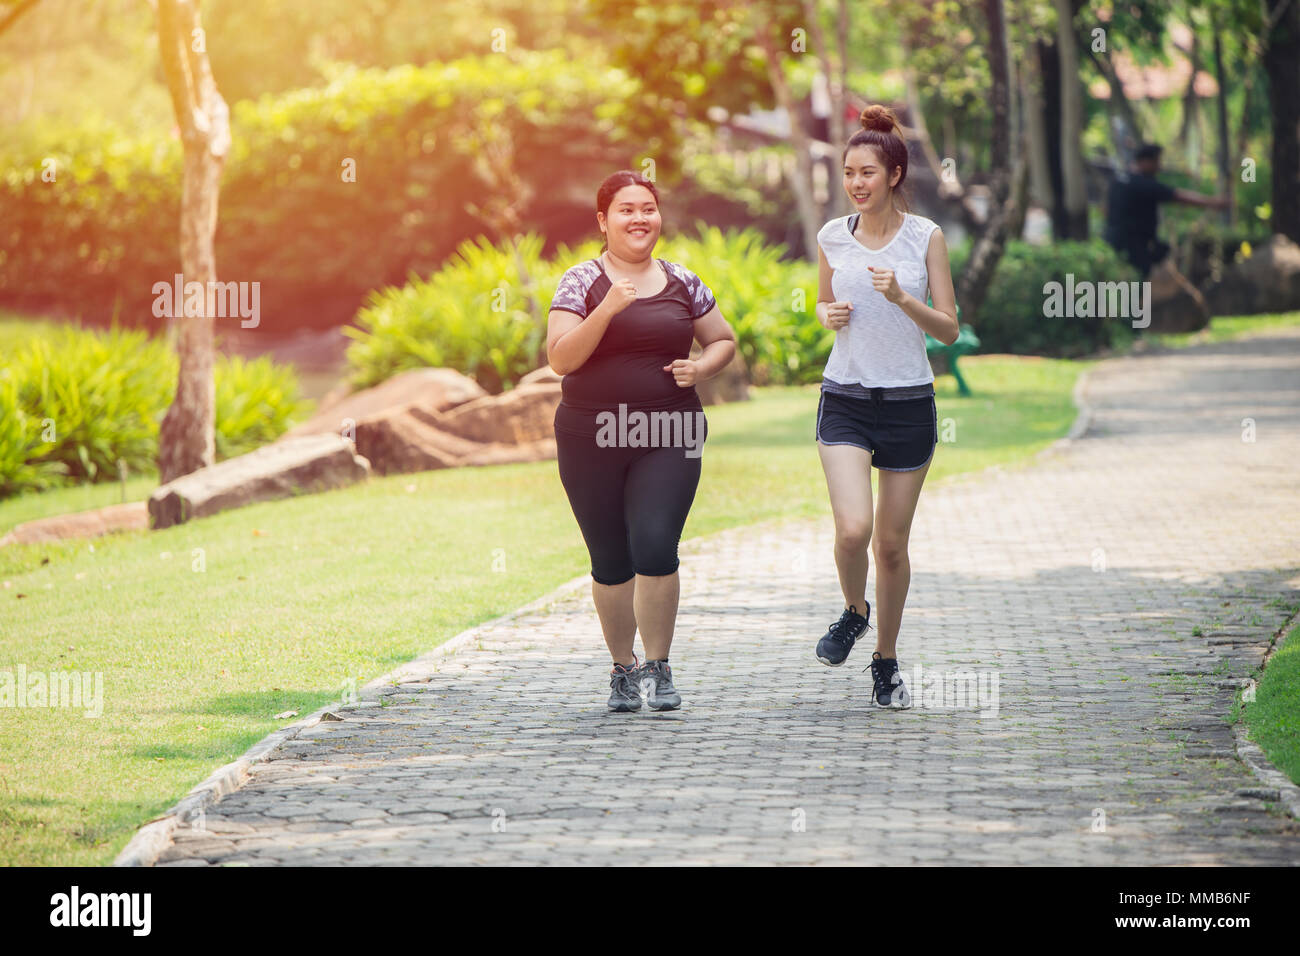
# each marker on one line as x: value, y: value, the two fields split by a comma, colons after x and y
x: 631, y: 225
x: 865, y: 181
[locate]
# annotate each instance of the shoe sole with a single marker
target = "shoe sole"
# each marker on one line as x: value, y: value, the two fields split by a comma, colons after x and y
x: 830, y: 663
x: 658, y: 706
x: 623, y: 708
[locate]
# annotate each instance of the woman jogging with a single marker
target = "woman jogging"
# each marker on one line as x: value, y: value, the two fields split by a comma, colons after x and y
x: 877, y: 396
x: 620, y: 331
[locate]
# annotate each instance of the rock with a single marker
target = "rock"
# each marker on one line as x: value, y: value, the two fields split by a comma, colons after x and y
x: 438, y: 388
x: 415, y: 438
x: 526, y: 413
x: 1176, y: 304
x: 543, y: 374
x: 1268, y: 281
x: 277, y: 470
x: 131, y: 516
x: 729, y: 385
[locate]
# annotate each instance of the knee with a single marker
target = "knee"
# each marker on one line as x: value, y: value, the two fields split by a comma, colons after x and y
x: 890, y: 551
x: 853, y: 535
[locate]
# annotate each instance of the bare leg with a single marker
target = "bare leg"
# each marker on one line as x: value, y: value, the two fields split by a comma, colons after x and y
x: 899, y: 491
x: 656, y: 612
x: 617, y: 621
x: 848, y: 480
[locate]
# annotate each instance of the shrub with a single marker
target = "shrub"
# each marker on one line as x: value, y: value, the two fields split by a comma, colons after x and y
x: 1011, y: 318
x: 74, y: 402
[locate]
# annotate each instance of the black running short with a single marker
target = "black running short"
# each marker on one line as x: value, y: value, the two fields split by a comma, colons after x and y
x: 901, y: 434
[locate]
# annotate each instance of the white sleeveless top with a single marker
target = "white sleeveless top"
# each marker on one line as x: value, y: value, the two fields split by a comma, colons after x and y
x: 880, y: 347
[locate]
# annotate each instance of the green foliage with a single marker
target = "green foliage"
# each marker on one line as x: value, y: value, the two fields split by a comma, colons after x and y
x: 74, y: 402
x: 483, y: 313
x: 1011, y: 318
x: 256, y: 402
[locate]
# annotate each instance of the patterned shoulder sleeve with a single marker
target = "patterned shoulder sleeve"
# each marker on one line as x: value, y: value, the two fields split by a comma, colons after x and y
x: 571, y: 293
x: 700, y: 295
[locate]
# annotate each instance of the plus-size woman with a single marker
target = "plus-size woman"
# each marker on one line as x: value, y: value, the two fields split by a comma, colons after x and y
x: 877, y: 397
x: 620, y: 332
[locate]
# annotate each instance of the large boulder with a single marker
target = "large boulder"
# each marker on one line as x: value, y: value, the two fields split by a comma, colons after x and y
x: 526, y: 413
x: 131, y: 516
x: 307, y: 463
x: 437, y: 388
x: 1176, y: 305
x: 415, y: 438
x: 1267, y: 281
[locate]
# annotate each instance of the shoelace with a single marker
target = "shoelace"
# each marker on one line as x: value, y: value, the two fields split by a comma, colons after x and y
x: 837, y: 629
x: 657, y: 671
x: 881, y: 672
x: 627, y: 674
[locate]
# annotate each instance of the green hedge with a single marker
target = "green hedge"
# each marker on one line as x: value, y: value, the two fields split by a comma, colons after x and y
x: 75, y: 402
x: 428, y: 145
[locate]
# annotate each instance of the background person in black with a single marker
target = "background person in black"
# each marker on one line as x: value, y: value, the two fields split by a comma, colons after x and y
x: 1132, y: 209
x: 620, y: 331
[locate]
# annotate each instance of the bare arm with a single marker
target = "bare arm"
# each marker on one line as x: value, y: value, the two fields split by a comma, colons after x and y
x: 718, y: 342
x: 1198, y: 199
x: 831, y: 314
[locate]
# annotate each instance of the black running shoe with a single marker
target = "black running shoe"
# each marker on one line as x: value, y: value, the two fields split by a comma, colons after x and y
x: 833, y: 649
x: 625, y: 687
x: 888, y: 689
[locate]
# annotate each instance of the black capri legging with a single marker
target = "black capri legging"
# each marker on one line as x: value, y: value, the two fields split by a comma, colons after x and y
x: 631, y: 503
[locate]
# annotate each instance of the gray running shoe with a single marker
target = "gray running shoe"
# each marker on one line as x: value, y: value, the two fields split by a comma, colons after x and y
x: 888, y: 689
x: 625, y: 687
x: 657, y: 676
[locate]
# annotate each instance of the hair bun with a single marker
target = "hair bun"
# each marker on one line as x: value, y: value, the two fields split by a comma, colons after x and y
x: 879, y: 118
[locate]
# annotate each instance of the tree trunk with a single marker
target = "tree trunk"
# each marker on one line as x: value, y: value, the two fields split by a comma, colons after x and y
x: 1006, y: 211
x: 1072, y: 169
x: 1120, y: 106
x: 1282, y: 65
x: 1040, y: 178
x: 186, y: 441
x: 801, y: 178
x: 1050, y: 71
x: 1226, y: 179
x: 1189, y: 131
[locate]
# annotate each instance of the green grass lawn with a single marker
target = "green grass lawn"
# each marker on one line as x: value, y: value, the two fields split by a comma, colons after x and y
x: 1273, y: 719
x: 1224, y: 328
x: 300, y: 595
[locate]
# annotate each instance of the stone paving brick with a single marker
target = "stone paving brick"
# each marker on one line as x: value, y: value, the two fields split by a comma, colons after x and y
x: 1119, y: 588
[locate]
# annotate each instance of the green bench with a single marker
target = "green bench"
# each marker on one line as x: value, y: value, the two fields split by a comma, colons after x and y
x: 967, y: 342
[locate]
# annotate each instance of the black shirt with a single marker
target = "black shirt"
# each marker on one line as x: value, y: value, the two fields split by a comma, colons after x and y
x: 1132, y: 209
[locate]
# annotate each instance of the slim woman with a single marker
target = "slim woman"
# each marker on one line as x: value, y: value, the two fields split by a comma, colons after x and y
x: 629, y: 427
x: 877, y: 397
